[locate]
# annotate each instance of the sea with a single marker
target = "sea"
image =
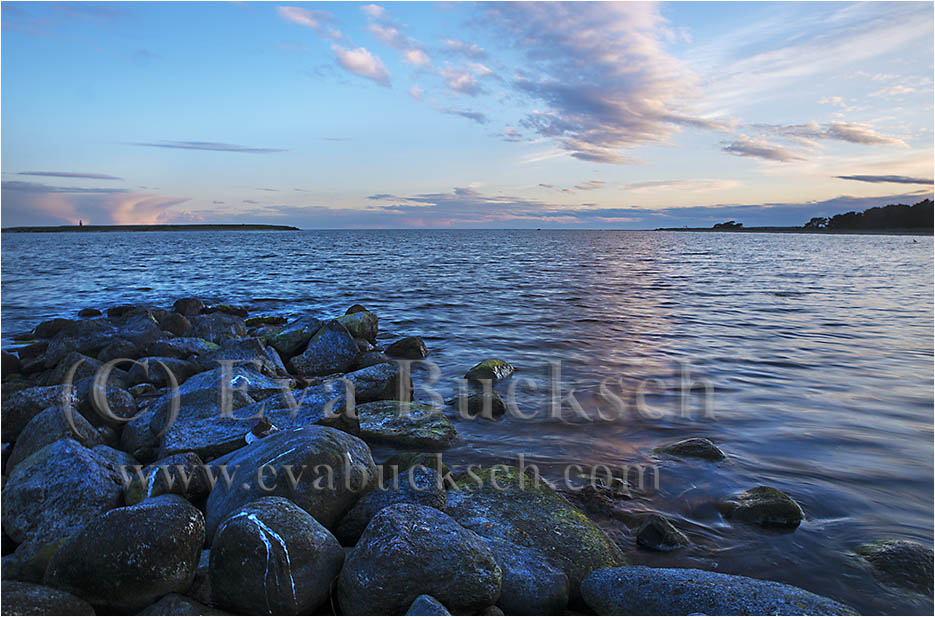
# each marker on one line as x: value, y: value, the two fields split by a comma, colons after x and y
x: 807, y: 358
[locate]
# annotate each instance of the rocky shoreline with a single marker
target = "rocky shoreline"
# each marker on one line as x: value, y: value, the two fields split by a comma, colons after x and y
x: 199, y: 460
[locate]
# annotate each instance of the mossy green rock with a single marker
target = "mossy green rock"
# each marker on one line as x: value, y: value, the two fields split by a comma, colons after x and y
x: 765, y: 506
x: 490, y: 369
x: 531, y: 514
x: 405, y: 425
x: 331, y: 350
x: 362, y: 324
x: 290, y: 339
x: 901, y: 563
x: 694, y: 447
x: 657, y: 533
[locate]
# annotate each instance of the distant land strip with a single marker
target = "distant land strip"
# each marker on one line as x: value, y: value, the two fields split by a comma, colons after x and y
x: 84, y: 228
x: 804, y: 230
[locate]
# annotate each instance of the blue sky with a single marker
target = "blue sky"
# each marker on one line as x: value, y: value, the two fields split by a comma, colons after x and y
x: 593, y: 115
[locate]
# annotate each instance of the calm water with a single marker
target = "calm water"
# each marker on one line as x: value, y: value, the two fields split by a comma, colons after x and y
x: 819, y: 349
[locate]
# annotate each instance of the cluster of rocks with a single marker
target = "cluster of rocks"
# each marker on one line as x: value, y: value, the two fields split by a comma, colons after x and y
x: 228, y: 469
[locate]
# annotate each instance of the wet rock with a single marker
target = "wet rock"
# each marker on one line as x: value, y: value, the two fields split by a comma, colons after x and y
x: 20, y: 407
x: 201, y: 586
x: 485, y: 404
x: 379, y: 382
x: 427, y: 605
x: 129, y: 557
x: 10, y: 364
x: 638, y: 590
x: 266, y: 320
x: 405, y: 425
x: 30, y: 561
x: 694, y: 447
x: 371, y: 358
x: 175, y: 604
x: 246, y: 352
x: 764, y: 506
x: 140, y: 328
x: 126, y: 310
x: 217, y: 327
x: 491, y: 610
x: 658, y: 534
x: 76, y: 366
x: 531, y: 585
x: 229, y: 309
x: 119, y: 349
x: 356, y: 308
x: 51, y: 327
x: 901, y: 563
x: 20, y: 598
x: 530, y: 514
x: 56, y: 491
x: 181, y: 347
x: 401, y: 462
x: 86, y: 313
x: 351, y: 466
x: 418, y: 485
x: 176, y: 323
x: 362, y: 325
x: 49, y: 426
x: 363, y: 345
x: 293, y: 337
x: 156, y: 371
x: 271, y: 557
x: 331, y: 350
x: 116, y: 458
x: 32, y: 357
x: 110, y: 406
x: 410, y: 347
x: 409, y: 550
x: 180, y: 474
x: 188, y: 306
x: 491, y: 369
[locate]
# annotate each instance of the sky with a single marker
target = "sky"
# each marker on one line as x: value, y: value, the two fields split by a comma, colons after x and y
x: 472, y: 115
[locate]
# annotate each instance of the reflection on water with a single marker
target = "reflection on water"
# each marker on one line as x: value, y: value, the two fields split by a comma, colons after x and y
x: 819, y: 350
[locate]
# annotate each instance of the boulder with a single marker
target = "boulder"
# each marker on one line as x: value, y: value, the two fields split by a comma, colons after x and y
x: 901, y: 563
x: 338, y: 468
x: 379, y: 382
x: 401, y: 462
x: 531, y: 585
x: 638, y: 590
x: 247, y: 352
x: 492, y: 370
x: 175, y: 604
x: 405, y: 425
x: 355, y: 308
x: 176, y: 323
x: 126, y: 310
x: 20, y: 407
x: 10, y: 363
x: 140, y: 328
x: 51, y: 327
x: 361, y: 324
x: 409, y: 550
x: 112, y: 406
x: 56, y: 491
x: 182, y: 347
x: 119, y: 348
x: 49, y: 426
x: 694, y: 447
x: 427, y: 605
x: 505, y: 503
x: 371, y: 358
x: 658, y: 534
x: 764, y: 506
x: 229, y: 309
x: 331, y: 350
x: 20, y: 598
x: 271, y: 557
x: 188, y: 306
x: 418, y: 485
x: 180, y: 474
x: 217, y: 327
x: 74, y: 365
x: 410, y: 348
x: 478, y: 403
x: 266, y: 320
x: 87, y: 313
x: 154, y: 371
x: 294, y: 336
x: 129, y: 557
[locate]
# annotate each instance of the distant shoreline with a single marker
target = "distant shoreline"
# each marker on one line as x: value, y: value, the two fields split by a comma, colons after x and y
x: 802, y: 230
x: 86, y: 228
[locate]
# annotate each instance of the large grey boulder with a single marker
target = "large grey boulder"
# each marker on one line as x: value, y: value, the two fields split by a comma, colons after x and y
x: 502, y: 502
x: 20, y: 407
x: 48, y: 427
x: 331, y: 350
x: 294, y: 336
x: 531, y: 585
x: 156, y: 370
x: 247, y: 352
x: 418, y: 485
x: 361, y: 324
x: 378, y: 383
x: 56, y: 491
x: 217, y: 327
x: 20, y: 598
x: 409, y: 550
x: 129, y: 557
x: 336, y: 469
x: 271, y: 557
x: 405, y: 425
x: 181, y: 347
x: 638, y: 590
x: 901, y: 563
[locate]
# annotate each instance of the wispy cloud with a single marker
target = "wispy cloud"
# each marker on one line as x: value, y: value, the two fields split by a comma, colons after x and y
x: 889, y: 179
x: 745, y: 146
x: 390, y: 34
x: 35, y: 187
x: 476, y: 116
x: 361, y: 62
x: 466, y: 49
x: 214, y: 146
x: 69, y: 174
x: 852, y: 132
x: 416, y: 92
x: 317, y: 20
x: 590, y: 185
